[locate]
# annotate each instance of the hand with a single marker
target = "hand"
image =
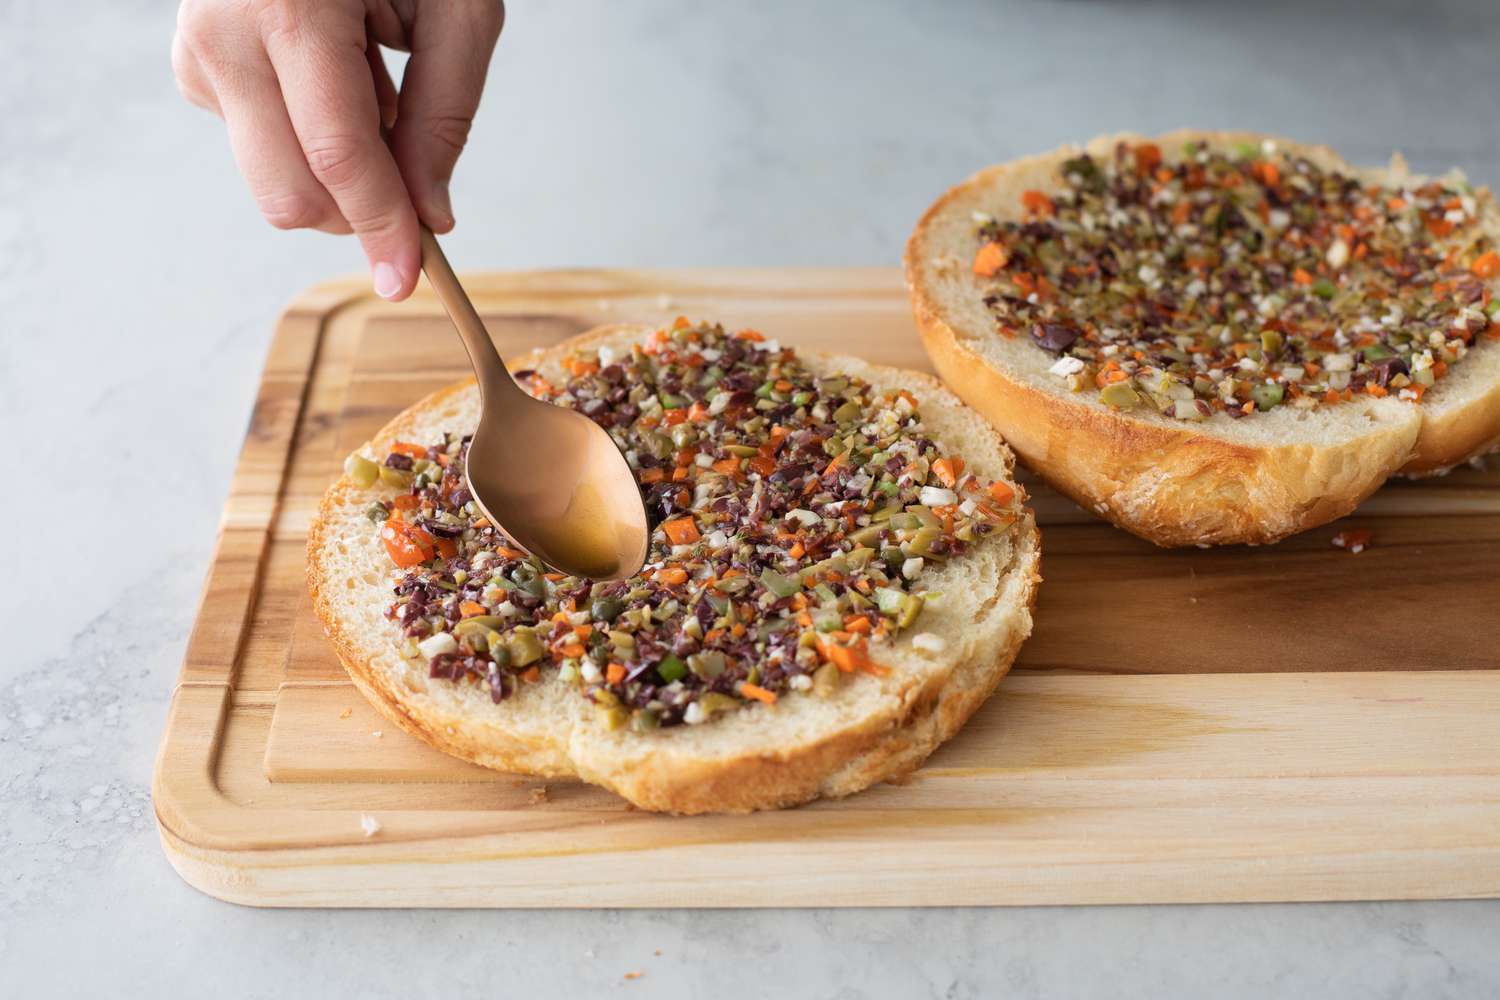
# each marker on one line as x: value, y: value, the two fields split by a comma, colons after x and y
x: 305, y: 93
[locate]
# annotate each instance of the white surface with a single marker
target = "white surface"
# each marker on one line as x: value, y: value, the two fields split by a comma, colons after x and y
x: 138, y: 291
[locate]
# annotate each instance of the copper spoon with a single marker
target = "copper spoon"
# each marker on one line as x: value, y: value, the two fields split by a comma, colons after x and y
x: 549, y: 477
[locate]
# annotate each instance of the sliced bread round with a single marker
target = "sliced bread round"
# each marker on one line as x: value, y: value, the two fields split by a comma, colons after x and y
x: 757, y: 757
x: 1221, y: 480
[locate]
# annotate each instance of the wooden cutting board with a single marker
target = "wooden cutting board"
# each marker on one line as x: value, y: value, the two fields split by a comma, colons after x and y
x: 1292, y: 722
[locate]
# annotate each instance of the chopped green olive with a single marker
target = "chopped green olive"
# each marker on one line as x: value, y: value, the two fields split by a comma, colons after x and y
x: 378, y: 512
x: 525, y: 648
x: 606, y: 609
x: 1119, y: 394
x: 361, y: 470
x: 1267, y: 394
x: 671, y: 669
x: 395, y: 477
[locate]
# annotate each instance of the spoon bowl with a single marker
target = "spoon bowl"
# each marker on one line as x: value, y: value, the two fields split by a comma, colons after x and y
x: 549, y: 477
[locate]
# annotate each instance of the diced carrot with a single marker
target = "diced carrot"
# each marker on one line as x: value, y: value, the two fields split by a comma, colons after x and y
x: 679, y: 474
x: 1002, y: 492
x: 1037, y: 203
x: 990, y: 259
x: 672, y: 576
x: 1181, y: 212
x: 948, y: 470
x: 578, y: 367
x: 447, y: 547
x: 406, y: 502
x: 1438, y: 226
x: 836, y: 461
x: 674, y: 416
x: 797, y: 551
x: 682, y: 530
x: 407, y: 448
x: 1147, y: 157
x: 681, y: 323
x: 856, y: 623
x: 1302, y: 277
x: 758, y: 693
x: 614, y: 673
x: 1376, y: 390
x: 764, y: 465
x: 406, y: 544
x: 737, y: 629
x: 471, y: 608
x: 1487, y: 266
x: 573, y: 649
x: 782, y: 385
x: 728, y: 466
x: 1266, y: 172
x: 653, y: 475
x: 752, y: 335
x: 531, y: 674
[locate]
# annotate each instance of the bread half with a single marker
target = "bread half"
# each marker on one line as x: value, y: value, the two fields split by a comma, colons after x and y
x: 1221, y: 480
x: 757, y: 757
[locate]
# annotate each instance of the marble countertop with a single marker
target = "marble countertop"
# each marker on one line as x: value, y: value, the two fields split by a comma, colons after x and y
x: 138, y: 289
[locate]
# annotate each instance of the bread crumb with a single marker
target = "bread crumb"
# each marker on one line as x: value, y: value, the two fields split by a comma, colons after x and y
x: 369, y: 824
x: 539, y: 795
x: 664, y: 301
x: 633, y: 975
x: 377, y: 734
x: 346, y: 713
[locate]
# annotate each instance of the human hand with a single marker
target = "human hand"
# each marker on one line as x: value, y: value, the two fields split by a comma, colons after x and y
x: 305, y: 93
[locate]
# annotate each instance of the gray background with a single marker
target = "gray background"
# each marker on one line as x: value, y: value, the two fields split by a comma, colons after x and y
x: 138, y: 289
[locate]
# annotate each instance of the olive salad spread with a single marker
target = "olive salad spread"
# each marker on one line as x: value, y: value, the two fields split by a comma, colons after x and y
x: 795, y: 517
x: 1239, y: 282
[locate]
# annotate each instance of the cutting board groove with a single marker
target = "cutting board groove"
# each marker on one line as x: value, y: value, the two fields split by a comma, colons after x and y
x: 1289, y: 722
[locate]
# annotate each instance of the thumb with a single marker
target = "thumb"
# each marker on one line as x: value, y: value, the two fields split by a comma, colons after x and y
x: 451, y: 44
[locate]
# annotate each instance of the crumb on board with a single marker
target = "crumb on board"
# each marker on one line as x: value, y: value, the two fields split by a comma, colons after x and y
x: 664, y: 301
x: 369, y: 824
x: 346, y: 713
x: 1355, y: 540
x: 633, y: 975
x: 538, y: 795
x: 377, y: 733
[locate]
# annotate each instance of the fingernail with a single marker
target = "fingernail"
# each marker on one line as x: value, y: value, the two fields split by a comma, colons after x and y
x: 444, y: 205
x: 387, y: 280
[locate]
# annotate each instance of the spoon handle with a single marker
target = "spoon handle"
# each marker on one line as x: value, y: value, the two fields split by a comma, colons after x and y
x: 488, y: 366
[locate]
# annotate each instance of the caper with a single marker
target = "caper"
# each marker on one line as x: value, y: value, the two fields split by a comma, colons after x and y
x: 361, y: 470
x: 377, y: 512
x: 1270, y: 341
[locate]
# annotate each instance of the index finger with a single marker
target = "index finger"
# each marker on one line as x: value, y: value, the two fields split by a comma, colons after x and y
x: 318, y: 51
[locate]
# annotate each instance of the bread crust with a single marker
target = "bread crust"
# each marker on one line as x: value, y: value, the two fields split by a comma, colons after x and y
x: 676, y: 770
x: 1171, y: 482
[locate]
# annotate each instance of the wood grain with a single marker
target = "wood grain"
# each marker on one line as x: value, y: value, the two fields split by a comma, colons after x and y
x: 1291, y: 722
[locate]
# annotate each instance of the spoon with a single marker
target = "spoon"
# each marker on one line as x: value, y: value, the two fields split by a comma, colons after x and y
x: 549, y: 477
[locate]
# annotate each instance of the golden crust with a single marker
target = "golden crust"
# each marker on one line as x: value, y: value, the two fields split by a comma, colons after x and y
x: 1171, y: 483
x: 842, y: 759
